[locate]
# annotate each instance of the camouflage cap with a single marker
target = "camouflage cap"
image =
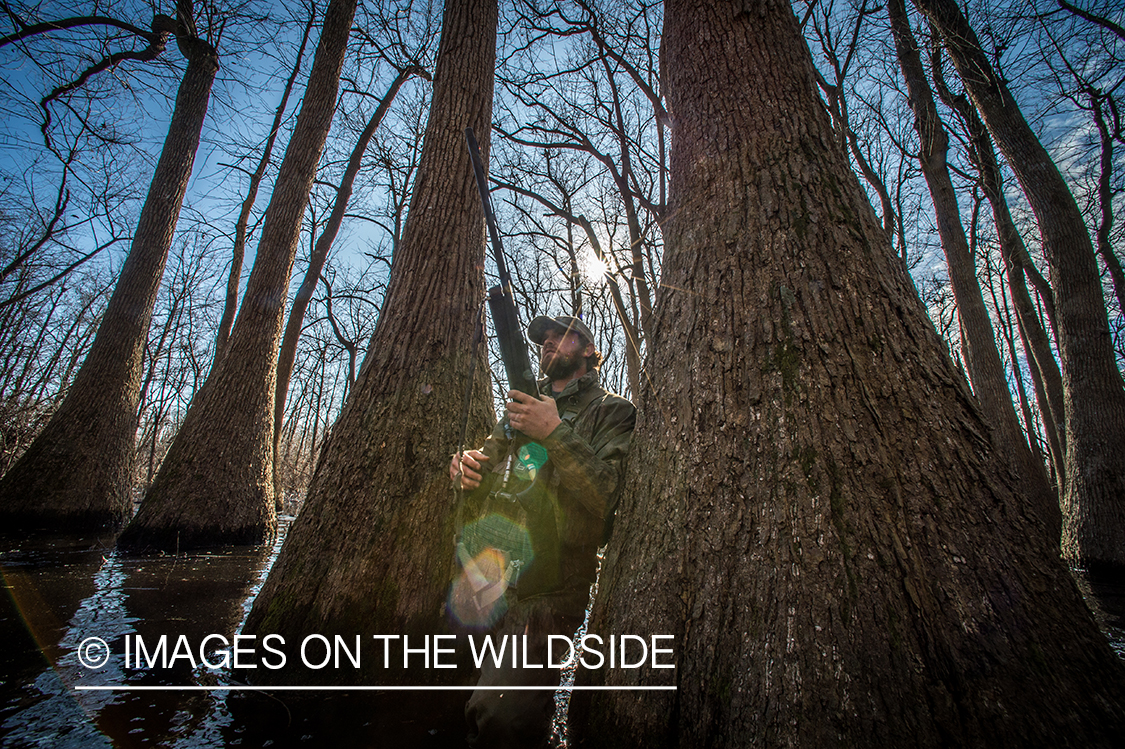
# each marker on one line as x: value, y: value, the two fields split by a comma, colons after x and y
x: 538, y: 328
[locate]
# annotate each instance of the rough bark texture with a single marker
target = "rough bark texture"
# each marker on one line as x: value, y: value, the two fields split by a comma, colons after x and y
x: 288, y: 352
x: 215, y: 485
x: 1093, y: 501
x: 371, y: 550
x: 813, y: 508
x: 982, y: 359
x: 78, y: 472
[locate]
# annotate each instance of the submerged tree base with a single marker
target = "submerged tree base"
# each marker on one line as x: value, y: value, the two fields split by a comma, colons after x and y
x: 137, y: 539
x: 70, y: 482
x: 53, y: 521
x: 188, y: 524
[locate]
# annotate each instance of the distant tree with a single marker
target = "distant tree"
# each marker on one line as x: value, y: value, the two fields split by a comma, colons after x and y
x: 1090, y: 78
x: 617, y: 122
x: 1043, y: 366
x: 40, y: 356
x: 216, y: 482
x: 813, y: 507
x: 372, y: 547
x: 982, y: 358
x: 77, y: 473
x: 841, y: 49
x: 559, y: 203
x: 241, y: 227
x: 179, y: 349
x: 1093, y: 523
x: 324, y: 240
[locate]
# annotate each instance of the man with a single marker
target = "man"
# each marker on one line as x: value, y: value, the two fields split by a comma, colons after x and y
x: 585, y: 431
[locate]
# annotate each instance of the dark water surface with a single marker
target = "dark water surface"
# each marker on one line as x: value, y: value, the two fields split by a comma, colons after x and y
x: 62, y: 590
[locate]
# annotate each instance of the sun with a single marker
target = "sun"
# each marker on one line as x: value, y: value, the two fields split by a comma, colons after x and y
x: 592, y: 268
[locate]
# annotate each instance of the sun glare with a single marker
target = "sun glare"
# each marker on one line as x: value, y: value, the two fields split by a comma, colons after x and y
x: 593, y: 269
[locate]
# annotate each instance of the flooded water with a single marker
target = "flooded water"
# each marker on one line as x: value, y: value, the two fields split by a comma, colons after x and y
x: 63, y: 591
x: 1106, y: 597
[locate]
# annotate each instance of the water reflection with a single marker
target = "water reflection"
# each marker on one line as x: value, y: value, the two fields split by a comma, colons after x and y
x: 64, y: 590
x: 46, y: 581
x: 113, y: 597
x: 61, y: 591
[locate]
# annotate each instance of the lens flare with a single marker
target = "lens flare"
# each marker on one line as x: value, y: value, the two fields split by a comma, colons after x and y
x: 476, y: 597
x: 491, y: 553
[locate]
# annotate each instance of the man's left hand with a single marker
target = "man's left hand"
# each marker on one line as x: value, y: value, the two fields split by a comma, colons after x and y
x: 535, y: 417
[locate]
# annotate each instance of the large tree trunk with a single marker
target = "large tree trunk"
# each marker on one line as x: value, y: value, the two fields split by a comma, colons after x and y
x: 813, y: 507
x: 215, y: 485
x: 1093, y: 508
x: 371, y: 549
x: 288, y: 353
x: 78, y: 471
x: 982, y: 359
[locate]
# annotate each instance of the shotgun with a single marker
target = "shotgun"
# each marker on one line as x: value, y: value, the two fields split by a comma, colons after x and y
x: 526, y: 534
x: 501, y: 303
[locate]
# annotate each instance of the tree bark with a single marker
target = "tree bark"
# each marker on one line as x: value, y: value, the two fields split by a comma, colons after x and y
x: 1093, y: 509
x: 238, y: 251
x: 77, y: 473
x: 319, y: 255
x: 982, y: 359
x: 371, y: 550
x: 813, y: 508
x: 215, y: 485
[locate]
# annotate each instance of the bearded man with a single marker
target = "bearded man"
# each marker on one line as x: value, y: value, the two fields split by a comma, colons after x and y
x: 559, y: 510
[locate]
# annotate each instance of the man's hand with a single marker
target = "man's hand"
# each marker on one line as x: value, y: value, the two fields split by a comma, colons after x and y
x: 535, y: 417
x: 466, y: 468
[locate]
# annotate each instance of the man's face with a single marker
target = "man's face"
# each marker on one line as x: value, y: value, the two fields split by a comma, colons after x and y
x: 562, y: 355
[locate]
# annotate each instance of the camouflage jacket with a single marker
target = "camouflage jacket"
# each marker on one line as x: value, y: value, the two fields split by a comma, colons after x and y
x: 582, y: 475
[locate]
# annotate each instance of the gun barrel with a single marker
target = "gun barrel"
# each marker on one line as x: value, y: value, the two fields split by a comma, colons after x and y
x: 501, y: 303
x: 509, y: 336
x: 489, y: 215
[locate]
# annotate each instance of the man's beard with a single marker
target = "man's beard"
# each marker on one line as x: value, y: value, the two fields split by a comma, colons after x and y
x: 562, y: 366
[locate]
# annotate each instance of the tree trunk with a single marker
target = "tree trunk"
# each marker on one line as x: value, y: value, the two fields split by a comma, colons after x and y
x: 1106, y: 137
x: 1093, y: 510
x: 238, y: 252
x: 982, y: 359
x: 371, y: 549
x: 813, y: 508
x: 215, y: 485
x: 319, y: 255
x: 1041, y: 359
x: 1007, y: 326
x: 78, y: 471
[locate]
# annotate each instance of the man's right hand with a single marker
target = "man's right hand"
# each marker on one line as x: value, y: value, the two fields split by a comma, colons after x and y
x: 467, y: 468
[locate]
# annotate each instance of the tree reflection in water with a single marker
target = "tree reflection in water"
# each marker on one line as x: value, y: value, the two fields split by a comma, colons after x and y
x: 62, y: 590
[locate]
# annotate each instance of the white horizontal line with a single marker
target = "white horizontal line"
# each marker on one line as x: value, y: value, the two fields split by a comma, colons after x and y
x: 244, y: 688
